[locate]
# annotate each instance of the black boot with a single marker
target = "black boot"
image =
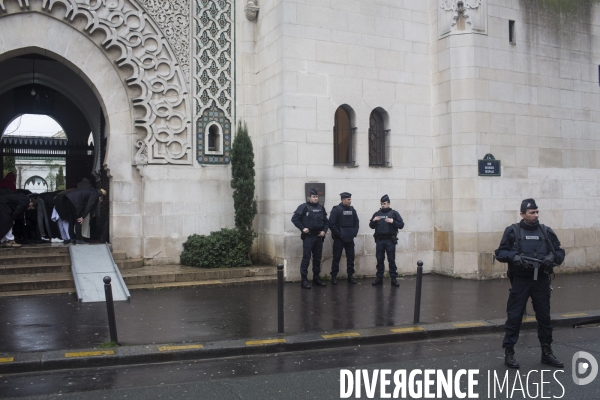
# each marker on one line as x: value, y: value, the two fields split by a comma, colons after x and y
x: 377, y: 281
x: 549, y: 358
x: 333, y: 280
x: 304, y: 283
x: 351, y: 280
x: 317, y: 281
x: 509, y: 357
x: 395, y: 282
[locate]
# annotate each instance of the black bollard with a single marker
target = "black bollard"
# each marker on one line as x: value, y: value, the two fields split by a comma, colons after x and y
x: 418, y: 292
x: 110, y: 308
x: 280, y: 297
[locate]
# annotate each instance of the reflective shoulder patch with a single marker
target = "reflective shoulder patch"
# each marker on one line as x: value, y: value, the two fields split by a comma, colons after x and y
x: 347, y: 212
x: 532, y: 238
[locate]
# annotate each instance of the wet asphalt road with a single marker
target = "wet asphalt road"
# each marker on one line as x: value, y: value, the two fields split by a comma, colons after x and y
x: 316, y: 374
x: 249, y: 311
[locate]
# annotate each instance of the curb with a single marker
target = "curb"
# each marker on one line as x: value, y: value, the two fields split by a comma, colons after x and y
x: 145, y: 354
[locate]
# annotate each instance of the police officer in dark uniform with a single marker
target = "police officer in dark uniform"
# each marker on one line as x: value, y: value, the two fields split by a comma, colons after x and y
x: 529, y: 239
x: 343, y: 223
x: 311, y: 219
x: 386, y: 223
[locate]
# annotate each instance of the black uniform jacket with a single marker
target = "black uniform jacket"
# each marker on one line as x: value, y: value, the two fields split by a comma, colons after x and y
x: 297, y: 217
x: 398, y: 222
x: 508, y: 250
x: 346, y: 233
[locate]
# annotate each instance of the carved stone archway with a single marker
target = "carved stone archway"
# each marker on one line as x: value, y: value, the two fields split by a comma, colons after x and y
x: 148, y: 67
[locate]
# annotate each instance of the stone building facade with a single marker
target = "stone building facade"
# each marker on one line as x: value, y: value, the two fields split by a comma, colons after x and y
x: 422, y: 90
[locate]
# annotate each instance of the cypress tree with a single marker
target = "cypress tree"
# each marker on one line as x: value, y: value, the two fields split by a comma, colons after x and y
x: 9, y: 165
x: 242, y: 181
x: 60, y: 179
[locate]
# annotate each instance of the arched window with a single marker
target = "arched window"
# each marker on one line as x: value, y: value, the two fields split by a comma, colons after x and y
x: 343, y: 137
x: 213, y: 136
x: 213, y: 141
x: 377, y: 137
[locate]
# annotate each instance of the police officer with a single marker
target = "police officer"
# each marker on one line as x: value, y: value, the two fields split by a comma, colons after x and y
x: 529, y: 238
x: 386, y: 223
x: 343, y: 223
x: 311, y: 219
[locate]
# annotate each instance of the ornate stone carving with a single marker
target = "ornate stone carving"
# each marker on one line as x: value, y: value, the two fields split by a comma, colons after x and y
x: 473, y: 12
x: 173, y: 18
x: 155, y: 71
x: 213, y: 70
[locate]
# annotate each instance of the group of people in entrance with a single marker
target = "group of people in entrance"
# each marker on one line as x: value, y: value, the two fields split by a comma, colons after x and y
x: 36, y: 218
x: 532, y: 251
x: 311, y: 219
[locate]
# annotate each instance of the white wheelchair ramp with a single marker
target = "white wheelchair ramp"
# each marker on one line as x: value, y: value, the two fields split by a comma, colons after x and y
x: 90, y: 263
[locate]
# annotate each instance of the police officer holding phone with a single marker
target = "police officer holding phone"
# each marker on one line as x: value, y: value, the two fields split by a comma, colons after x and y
x: 311, y: 219
x: 343, y: 222
x: 531, y: 250
x: 386, y: 223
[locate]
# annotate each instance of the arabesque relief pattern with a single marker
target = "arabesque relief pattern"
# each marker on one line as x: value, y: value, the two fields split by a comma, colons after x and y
x: 173, y: 18
x: 213, y: 72
x: 164, y: 120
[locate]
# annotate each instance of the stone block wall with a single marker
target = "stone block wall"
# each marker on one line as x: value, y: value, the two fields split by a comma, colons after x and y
x: 533, y: 104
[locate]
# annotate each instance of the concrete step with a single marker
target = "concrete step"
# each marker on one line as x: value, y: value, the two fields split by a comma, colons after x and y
x: 22, y: 293
x: 119, y: 255
x: 42, y: 249
x: 205, y: 283
x: 57, y: 280
x: 130, y: 263
x: 17, y: 269
x: 177, y: 273
x: 63, y: 258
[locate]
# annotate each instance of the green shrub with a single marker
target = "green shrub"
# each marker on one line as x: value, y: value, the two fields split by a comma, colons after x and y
x: 225, y: 248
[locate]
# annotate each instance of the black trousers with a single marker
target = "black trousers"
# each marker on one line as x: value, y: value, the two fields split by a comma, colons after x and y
x: 74, y: 226
x: 521, y: 290
x: 311, y: 245
x: 383, y: 247
x: 338, y: 246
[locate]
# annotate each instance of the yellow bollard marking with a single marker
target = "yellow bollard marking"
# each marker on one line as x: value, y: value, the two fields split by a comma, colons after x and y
x: 469, y: 324
x: 341, y: 335
x: 408, y: 330
x: 581, y: 314
x: 7, y: 359
x: 263, y: 342
x: 182, y: 347
x: 90, y: 353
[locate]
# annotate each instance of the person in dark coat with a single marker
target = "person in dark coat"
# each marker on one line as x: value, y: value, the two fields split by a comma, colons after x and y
x: 12, y: 207
x: 386, y: 223
x: 343, y: 223
x: 74, y: 206
x: 311, y: 219
x: 529, y: 239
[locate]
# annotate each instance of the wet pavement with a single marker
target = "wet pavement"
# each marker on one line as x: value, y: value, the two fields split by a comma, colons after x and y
x: 250, y: 311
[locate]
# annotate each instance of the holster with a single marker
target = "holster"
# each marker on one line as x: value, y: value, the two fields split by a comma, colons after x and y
x: 394, y: 239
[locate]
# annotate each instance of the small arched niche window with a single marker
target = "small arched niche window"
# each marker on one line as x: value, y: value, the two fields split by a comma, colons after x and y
x: 378, y: 138
x: 214, y: 139
x: 344, y: 136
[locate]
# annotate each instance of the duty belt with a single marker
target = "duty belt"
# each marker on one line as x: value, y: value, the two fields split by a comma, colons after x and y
x: 384, y: 236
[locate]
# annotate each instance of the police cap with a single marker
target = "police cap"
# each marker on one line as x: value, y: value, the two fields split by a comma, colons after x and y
x: 528, y: 204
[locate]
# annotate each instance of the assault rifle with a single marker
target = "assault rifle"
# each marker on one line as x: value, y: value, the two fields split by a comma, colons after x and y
x: 531, y: 262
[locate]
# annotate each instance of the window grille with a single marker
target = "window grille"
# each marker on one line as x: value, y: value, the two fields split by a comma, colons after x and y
x: 377, y: 135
